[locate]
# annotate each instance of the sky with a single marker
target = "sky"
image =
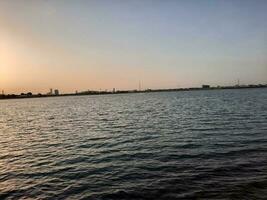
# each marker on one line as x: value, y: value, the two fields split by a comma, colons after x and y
x: 104, y: 44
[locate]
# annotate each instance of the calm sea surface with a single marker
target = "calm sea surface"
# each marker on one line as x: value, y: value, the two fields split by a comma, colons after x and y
x: 169, y: 145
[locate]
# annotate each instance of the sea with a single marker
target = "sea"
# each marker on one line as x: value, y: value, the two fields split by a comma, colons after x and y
x: 208, y: 144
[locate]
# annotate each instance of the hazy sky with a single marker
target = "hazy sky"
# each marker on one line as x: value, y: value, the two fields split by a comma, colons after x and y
x: 103, y: 44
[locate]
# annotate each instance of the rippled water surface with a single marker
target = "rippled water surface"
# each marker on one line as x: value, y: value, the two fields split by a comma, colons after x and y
x: 169, y: 145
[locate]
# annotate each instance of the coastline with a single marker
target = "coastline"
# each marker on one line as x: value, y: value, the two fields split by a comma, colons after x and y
x: 25, y: 96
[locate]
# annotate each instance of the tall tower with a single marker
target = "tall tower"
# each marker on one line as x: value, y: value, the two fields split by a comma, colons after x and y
x: 139, y: 86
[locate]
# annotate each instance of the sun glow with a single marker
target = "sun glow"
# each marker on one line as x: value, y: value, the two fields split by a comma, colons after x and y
x: 8, y: 60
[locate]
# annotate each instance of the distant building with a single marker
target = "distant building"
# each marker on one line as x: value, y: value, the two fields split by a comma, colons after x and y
x: 50, y: 91
x: 114, y: 90
x: 205, y: 86
x: 56, y: 92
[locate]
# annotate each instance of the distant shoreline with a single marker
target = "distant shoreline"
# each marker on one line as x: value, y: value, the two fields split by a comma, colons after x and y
x: 85, y: 93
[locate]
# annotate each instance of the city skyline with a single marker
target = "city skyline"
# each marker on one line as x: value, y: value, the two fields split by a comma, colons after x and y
x: 96, y: 45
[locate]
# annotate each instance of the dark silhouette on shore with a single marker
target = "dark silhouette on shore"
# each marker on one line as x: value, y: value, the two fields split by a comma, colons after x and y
x: 91, y: 92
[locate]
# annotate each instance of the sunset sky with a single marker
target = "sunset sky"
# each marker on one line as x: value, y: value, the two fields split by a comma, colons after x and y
x: 104, y: 44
